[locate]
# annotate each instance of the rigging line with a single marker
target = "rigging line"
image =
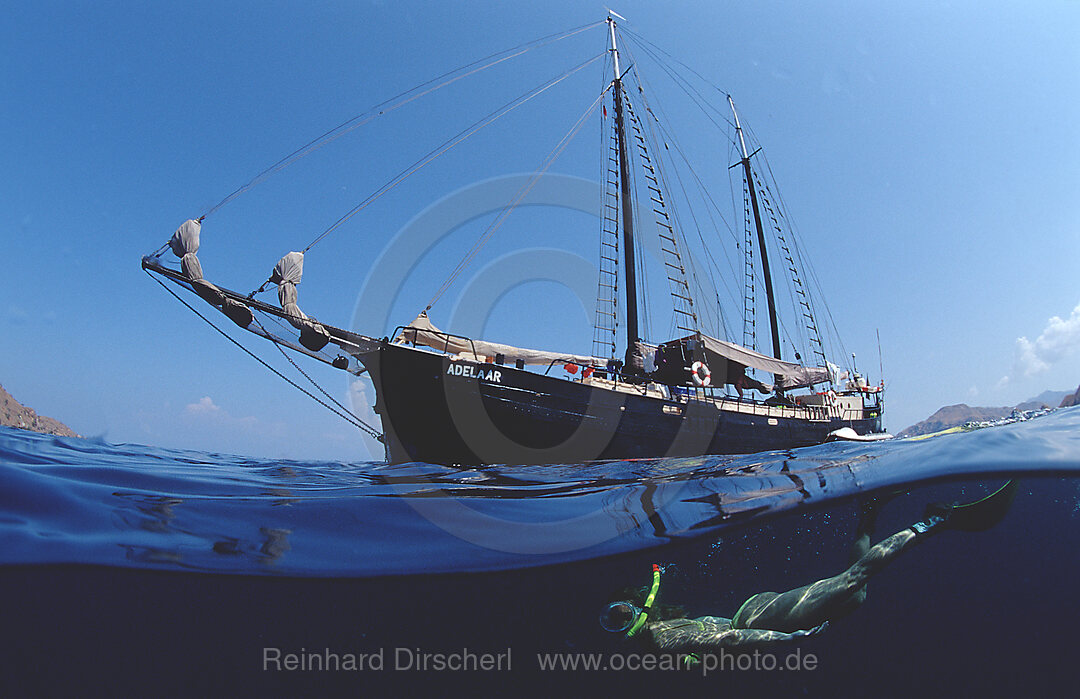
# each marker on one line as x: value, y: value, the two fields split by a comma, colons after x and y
x: 699, y: 99
x: 804, y: 259
x: 662, y: 135
x: 708, y: 252
x: 355, y: 421
x: 661, y: 160
x: 777, y: 235
x: 449, y: 144
x: 391, y: 104
x: 306, y: 376
x: 731, y: 187
x: 602, y: 344
x: 525, y: 189
x: 670, y: 136
x: 776, y: 209
x: 638, y: 38
x: 788, y: 334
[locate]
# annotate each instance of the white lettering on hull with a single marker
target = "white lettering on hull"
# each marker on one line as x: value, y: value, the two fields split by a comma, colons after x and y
x: 474, y: 372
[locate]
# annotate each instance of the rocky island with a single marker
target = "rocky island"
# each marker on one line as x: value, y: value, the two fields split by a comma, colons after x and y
x: 956, y: 415
x: 1069, y: 401
x: 15, y: 414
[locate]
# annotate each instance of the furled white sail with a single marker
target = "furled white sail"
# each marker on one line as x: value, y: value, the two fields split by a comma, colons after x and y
x: 288, y: 272
x: 423, y: 332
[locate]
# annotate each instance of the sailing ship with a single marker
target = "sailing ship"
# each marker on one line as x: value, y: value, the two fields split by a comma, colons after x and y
x: 448, y: 399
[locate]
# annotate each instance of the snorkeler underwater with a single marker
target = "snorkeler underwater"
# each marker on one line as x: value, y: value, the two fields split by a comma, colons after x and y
x: 302, y: 577
x: 768, y: 618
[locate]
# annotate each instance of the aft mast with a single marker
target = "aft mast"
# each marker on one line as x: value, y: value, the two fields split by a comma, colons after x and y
x: 766, y: 270
x: 632, y: 332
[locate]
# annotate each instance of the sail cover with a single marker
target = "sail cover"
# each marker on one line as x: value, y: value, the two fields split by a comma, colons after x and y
x: 791, y: 375
x: 423, y: 332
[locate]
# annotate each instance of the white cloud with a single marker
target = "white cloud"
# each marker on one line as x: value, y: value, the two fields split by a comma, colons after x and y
x: 206, y: 409
x: 205, y: 406
x: 361, y: 398
x: 1058, y: 340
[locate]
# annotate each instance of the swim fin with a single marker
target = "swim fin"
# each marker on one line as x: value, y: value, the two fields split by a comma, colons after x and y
x: 975, y: 516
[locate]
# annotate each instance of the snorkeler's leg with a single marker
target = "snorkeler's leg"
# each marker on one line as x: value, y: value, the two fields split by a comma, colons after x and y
x: 864, y: 529
x: 828, y: 599
x: 835, y: 597
x: 869, y: 507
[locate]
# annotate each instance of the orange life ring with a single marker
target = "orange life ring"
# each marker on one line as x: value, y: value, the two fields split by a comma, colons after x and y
x: 700, y: 374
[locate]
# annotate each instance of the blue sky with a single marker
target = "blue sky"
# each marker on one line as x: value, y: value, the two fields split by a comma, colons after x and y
x: 928, y: 152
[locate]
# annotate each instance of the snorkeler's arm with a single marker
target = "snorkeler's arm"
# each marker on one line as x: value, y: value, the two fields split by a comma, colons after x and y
x: 750, y: 638
x: 712, y: 633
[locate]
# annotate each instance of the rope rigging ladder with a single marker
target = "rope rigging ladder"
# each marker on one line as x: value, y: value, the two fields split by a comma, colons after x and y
x: 803, y: 300
x: 750, y: 285
x: 627, y: 137
x: 607, y: 290
x: 791, y: 255
x: 682, y: 299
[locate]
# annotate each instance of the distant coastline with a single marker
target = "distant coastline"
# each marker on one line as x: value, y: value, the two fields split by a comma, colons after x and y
x: 15, y: 414
x: 956, y: 415
x: 1069, y: 401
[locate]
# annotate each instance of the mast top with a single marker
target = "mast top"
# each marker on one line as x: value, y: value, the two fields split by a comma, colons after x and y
x: 738, y: 128
x: 614, y: 48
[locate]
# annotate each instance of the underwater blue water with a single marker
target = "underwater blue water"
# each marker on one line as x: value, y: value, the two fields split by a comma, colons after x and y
x: 128, y: 569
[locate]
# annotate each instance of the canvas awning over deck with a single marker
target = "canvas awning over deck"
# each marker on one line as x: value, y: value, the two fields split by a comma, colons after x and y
x: 423, y: 332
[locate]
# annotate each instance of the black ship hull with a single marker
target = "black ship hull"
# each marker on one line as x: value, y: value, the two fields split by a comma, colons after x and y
x: 437, y: 409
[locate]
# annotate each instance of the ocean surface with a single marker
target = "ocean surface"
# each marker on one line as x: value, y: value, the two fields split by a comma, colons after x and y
x: 128, y: 570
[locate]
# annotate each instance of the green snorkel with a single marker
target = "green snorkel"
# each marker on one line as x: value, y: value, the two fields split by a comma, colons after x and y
x: 643, y: 616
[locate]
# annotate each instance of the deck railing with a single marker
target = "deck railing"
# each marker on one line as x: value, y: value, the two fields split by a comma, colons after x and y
x: 681, y: 394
